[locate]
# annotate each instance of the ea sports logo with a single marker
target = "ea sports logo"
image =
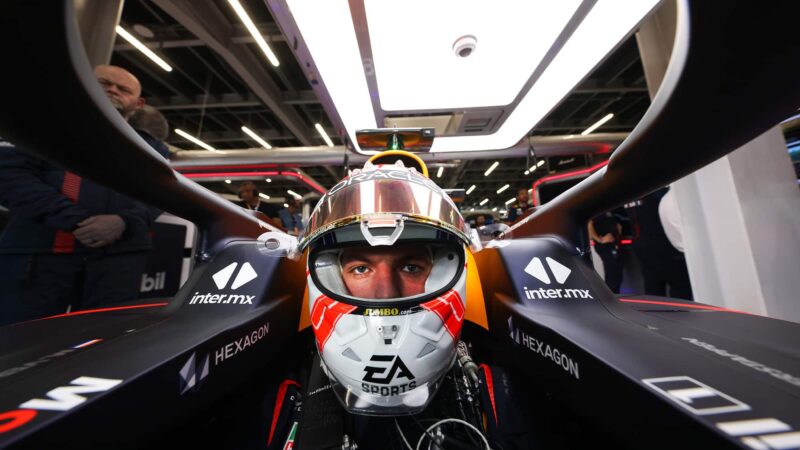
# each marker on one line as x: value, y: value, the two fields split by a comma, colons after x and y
x: 397, y: 370
x: 375, y: 382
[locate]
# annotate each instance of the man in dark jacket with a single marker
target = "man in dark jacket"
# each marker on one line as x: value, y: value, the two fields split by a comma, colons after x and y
x: 70, y: 243
x: 519, y: 207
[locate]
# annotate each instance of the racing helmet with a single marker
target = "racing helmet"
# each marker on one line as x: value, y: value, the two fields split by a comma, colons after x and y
x: 386, y: 286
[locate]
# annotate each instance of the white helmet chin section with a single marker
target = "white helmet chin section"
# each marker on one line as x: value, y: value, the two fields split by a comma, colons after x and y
x: 385, y: 359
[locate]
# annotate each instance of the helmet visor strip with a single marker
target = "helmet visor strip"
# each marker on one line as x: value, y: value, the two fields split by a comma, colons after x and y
x: 383, y: 193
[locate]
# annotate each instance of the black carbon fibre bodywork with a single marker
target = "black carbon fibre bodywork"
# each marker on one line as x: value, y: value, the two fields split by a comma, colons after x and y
x: 622, y: 365
x: 146, y: 349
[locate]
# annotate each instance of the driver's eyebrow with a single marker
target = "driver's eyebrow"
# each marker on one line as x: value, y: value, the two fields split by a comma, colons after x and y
x: 415, y: 258
x: 351, y: 258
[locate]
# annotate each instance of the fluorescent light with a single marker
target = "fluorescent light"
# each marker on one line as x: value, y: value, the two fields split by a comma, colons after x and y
x: 189, y: 137
x: 471, y: 188
x: 440, y: 172
x: 527, y: 172
x: 491, y: 168
x: 472, y: 209
x: 251, y: 27
x: 228, y: 181
x: 494, y: 209
x: 323, y: 134
x: 142, y: 48
x: 503, y: 188
x: 269, y: 180
x: 510, y: 200
x: 293, y: 193
x: 256, y: 138
x: 285, y: 205
x: 598, y: 124
x: 533, y: 168
x: 484, y: 201
x: 264, y: 196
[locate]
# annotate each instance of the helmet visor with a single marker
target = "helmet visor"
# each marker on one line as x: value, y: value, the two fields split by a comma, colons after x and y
x: 404, y: 275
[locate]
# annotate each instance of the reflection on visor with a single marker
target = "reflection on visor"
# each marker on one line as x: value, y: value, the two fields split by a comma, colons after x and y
x: 387, y: 274
x: 385, y: 191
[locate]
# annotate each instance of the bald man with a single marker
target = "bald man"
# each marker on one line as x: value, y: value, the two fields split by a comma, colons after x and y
x: 121, y: 87
x: 70, y: 243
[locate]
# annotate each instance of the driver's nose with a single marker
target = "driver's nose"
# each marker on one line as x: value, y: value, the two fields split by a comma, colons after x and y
x: 386, y: 282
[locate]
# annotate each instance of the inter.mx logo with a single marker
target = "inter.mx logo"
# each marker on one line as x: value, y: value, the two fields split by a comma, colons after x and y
x: 560, y: 272
x: 245, y: 275
x: 62, y: 398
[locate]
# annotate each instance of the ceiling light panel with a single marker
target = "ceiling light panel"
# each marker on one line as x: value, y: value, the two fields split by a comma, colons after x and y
x: 256, y: 138
x: 334, y: 48
x: 324, y: 135
x: 143, y: 48
x: 331, y: 40
x: 251, y: 27
x: 193, y: 139
x: 603, y: 28
x: 511, y: 39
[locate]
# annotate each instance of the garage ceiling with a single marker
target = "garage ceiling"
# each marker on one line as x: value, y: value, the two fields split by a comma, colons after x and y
x: 221, y: 81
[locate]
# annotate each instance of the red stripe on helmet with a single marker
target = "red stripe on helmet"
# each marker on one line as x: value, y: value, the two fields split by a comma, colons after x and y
x: 324, y: 316
x: 450, y: 309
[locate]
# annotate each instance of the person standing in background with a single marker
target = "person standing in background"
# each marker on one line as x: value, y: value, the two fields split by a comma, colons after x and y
x: 153, y: 127
x: 291, y: 218
x: 663, y: 266
x: 519, y: 206
x: 248, y: 192
x: 70, y: 243
x: 605, y: 230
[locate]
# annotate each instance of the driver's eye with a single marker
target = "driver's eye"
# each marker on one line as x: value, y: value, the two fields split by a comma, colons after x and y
x: 359, y: 270
x: 412, y: 268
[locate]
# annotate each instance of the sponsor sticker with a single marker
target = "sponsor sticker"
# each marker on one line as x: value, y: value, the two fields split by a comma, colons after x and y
x: 383, y: 174
x: 154, y: 283
x: 762, y: 433
x: 560, y: 274
x: 47, y: 358
x: 775, y: 373
x: 695, y: 396
x: 195, y: 369
x: 388, y: 368
x: 62, y: 398
x: 381, y: 311
x: 544, y: 350
x: 221, y: 279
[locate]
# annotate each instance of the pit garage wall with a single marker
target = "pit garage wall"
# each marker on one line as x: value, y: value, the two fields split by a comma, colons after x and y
x: 740, y: 214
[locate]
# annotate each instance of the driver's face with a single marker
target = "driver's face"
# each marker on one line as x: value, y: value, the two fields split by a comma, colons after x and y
x: 386, y: 272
